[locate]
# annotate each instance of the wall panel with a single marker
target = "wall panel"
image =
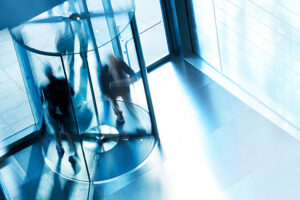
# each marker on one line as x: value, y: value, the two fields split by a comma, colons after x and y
x: 203, y: 30
x: 259, y: 44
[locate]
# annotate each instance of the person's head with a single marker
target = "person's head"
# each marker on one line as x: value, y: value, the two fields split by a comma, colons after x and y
x: 113, y: 60
x: 48, y: 71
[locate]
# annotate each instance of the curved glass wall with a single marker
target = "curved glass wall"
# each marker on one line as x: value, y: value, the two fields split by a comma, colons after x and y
x: 98, y: 121
x: 67, y: 23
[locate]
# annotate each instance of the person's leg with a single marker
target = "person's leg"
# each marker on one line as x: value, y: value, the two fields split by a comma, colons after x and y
x: 58, y: 135
x: 106, y: 110
x: 126, y: 97
x: 71, y: 139
x: 53, y: 123
x: 69, y: 132
x: 128, y: 103
x: 73, y: 158
x: 132, y: 111
x: 116, y: 106
x: 117, y: 110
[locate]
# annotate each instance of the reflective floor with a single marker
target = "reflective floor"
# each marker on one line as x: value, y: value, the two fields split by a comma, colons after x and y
x: 117, y: 147
x: 214, y: 147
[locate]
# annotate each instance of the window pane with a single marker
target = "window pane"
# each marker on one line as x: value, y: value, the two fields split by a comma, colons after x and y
x: 203, y: 31
x: 258, y: 43
x: 151, y: 28
x: 128, y: 49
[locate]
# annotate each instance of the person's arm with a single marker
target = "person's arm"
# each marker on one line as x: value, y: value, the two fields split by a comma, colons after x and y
x: 72, y: 90
x: 126, y: 68
x: 126, y: 81
x: 65, y: 84
x: 42, y: 94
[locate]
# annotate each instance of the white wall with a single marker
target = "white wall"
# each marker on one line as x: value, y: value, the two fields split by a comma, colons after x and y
x: 257, y: 43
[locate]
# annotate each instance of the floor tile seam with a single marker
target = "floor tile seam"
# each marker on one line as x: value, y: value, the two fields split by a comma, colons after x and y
x: 264, y: 166
x: 12, y: 78
x: 182, y: 80
x: 14, y: 133
x: 189, y: 96
x: 248, y: 96
x: 9, y: 86
x: 7, y: 109
x: 195, y: 88
x: 6, y: 126
x: 18, y: 89
x: 219, y: 127
x: 3, y: 112
x: 239, y: 115
x: 264, y: 163
x: 9, y: 51
x: 228, y: 93
x: 157, y: 165
x: 10, y: 63
x: 10, y: 132
x: 13, y: 105
x: 11, y: 125
x: 246, y: 109
x: 24, y: 118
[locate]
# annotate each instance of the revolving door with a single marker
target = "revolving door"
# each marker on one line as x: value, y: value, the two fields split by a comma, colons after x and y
x: 98, y: 116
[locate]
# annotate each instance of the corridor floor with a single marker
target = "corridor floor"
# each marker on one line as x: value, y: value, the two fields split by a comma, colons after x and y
x: 214, y: 147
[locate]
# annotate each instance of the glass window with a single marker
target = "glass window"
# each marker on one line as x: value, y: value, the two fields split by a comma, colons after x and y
x: 255, y: 44
x: 151, y: 29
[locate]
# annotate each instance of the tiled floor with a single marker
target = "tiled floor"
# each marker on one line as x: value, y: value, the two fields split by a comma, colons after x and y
x: 215, y: 147
x: 15, y: 112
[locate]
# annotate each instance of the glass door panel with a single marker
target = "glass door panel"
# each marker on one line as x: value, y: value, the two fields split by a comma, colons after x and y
x: 151, y: 29
x: 61, y: 139
x: 119, y: 146
x: 99, y: 124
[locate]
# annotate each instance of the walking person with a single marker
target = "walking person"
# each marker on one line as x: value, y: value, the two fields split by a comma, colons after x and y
x: 57, y: 95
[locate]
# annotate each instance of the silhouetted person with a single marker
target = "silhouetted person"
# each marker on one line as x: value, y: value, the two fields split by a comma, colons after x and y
x: 65, y: 44
x: 115, y: 79
x: 56, y: 93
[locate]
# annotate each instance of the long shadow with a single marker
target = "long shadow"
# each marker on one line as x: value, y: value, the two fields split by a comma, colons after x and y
x: 57, y: 191
x: 65, y: 189
x: 2, y: 189
x: 34, y: 171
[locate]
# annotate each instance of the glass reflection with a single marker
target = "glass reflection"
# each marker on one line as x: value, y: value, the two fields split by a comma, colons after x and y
x: 68, y: 18
x: 95, y: 106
